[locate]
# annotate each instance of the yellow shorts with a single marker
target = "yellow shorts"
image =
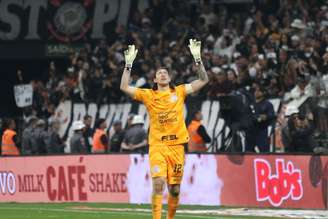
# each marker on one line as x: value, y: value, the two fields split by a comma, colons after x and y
x: 168, y: 162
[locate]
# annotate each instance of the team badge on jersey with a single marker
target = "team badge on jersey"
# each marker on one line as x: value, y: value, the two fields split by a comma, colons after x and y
x: 155, y: 169
x: 174, y: 98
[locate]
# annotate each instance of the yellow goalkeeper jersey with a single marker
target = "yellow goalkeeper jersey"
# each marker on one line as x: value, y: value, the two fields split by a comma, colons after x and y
x: 165, y: 109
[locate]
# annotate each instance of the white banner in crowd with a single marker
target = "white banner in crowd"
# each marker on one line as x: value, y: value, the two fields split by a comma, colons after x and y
x: 23, y: 95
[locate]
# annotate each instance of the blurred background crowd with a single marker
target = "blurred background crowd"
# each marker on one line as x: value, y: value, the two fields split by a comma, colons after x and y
x: 266, y: 49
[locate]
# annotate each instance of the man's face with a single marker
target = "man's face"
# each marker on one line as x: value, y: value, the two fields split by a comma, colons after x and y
x: 300, y: 122
x: 231, y: 76
x: 258, y: 93
x: 216, y: 60
x: 325, y: 57
x: 12, y: 124
x: 117, y: 127
x: 103, y: 125
x: 98, y: 72
x: 295, y: 43
x: 254, y: 49
x: 80, y: 63
x: 221, y: 78
x: 198, y: 116
x: 162, y: 77
x: 87, y: 122
x: 283, y: 55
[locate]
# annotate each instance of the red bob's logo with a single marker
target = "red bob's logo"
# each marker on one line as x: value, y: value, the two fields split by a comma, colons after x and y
x: 286, y: 183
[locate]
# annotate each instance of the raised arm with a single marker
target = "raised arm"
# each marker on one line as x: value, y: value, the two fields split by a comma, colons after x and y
x: 197, y: 84
x: 129, y: 55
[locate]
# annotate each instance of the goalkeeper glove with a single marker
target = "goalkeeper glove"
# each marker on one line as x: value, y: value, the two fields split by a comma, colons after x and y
x: 129, y: 55
x: 194, y: 47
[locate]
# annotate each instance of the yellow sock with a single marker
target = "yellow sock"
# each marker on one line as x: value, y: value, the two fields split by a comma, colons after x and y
x: 172, y: 203
x: 157, y: 206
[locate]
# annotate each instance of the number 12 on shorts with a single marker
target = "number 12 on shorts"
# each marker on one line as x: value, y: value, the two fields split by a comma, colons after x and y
x: 177, y: 168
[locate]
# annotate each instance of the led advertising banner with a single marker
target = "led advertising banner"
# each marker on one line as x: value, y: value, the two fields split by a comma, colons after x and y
x: 282, y: 181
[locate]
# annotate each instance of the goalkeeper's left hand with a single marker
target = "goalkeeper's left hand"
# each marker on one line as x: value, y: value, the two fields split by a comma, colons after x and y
x: 194, y: 46
x: 129, y: 55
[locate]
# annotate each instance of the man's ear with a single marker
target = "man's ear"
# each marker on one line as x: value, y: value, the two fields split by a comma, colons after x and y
x: 155, y: 81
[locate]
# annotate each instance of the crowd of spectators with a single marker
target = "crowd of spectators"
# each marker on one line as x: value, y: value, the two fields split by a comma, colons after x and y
x: 36, y: 139
x: 279, y: 48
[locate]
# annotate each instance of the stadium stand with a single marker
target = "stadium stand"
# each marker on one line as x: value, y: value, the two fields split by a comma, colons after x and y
x: 278, y: 47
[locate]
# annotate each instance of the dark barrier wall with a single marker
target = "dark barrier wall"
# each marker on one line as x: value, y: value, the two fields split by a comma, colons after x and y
x: 282, y: 181
x: 55, y: 27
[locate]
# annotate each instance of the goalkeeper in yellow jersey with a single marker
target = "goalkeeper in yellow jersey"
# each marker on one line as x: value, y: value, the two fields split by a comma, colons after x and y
x: 168, y: 131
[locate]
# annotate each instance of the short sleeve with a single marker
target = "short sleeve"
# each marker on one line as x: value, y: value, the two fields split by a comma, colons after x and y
x: 141, y: 95
x: 182, y: 90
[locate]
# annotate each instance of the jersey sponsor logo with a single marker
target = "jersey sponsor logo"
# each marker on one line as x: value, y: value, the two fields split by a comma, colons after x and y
x: 275, y: 188
x: 167, y: 117
x: 169, y: 137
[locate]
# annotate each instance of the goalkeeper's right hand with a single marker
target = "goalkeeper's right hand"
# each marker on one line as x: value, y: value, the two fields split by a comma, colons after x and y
x: 129, y: 55
x: 194, y: 46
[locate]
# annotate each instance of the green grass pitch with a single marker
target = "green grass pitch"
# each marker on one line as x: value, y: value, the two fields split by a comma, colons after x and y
x: 99, y: 211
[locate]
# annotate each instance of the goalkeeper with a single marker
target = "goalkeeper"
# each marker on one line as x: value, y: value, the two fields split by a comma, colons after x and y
x: 168, y: 131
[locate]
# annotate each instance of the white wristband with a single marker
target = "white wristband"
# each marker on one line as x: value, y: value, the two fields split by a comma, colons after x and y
x: 128, y: 65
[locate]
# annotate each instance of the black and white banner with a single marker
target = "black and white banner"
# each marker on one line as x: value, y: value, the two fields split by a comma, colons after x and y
x: 62, y: 20
x: 67, y: 112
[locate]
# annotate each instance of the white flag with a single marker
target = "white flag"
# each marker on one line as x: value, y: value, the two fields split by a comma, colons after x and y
x: 23, y: 95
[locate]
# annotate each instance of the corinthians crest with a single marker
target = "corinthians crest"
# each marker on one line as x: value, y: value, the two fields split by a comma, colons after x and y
x: 70, y: 20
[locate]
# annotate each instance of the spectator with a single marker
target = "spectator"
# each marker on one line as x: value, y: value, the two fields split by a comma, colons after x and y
x: 96, y: 85
x: 208, y: 15
x: 77, y: 142
x: 198, y: 134
x: 302, y: 88
x: 297, y: 135
x: 87, y: 134
x: 221, y: 86
x: 225, y: 44
x: 232, y: 77
x: 27, y: 134
x: 129, y: 121
x: 9, y: 142
x: 38, y: 138
x: 54, y: 143
x: 263, y: 114
x: 117, y: 137
x: 100, y: 139
x: 135, y: 138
